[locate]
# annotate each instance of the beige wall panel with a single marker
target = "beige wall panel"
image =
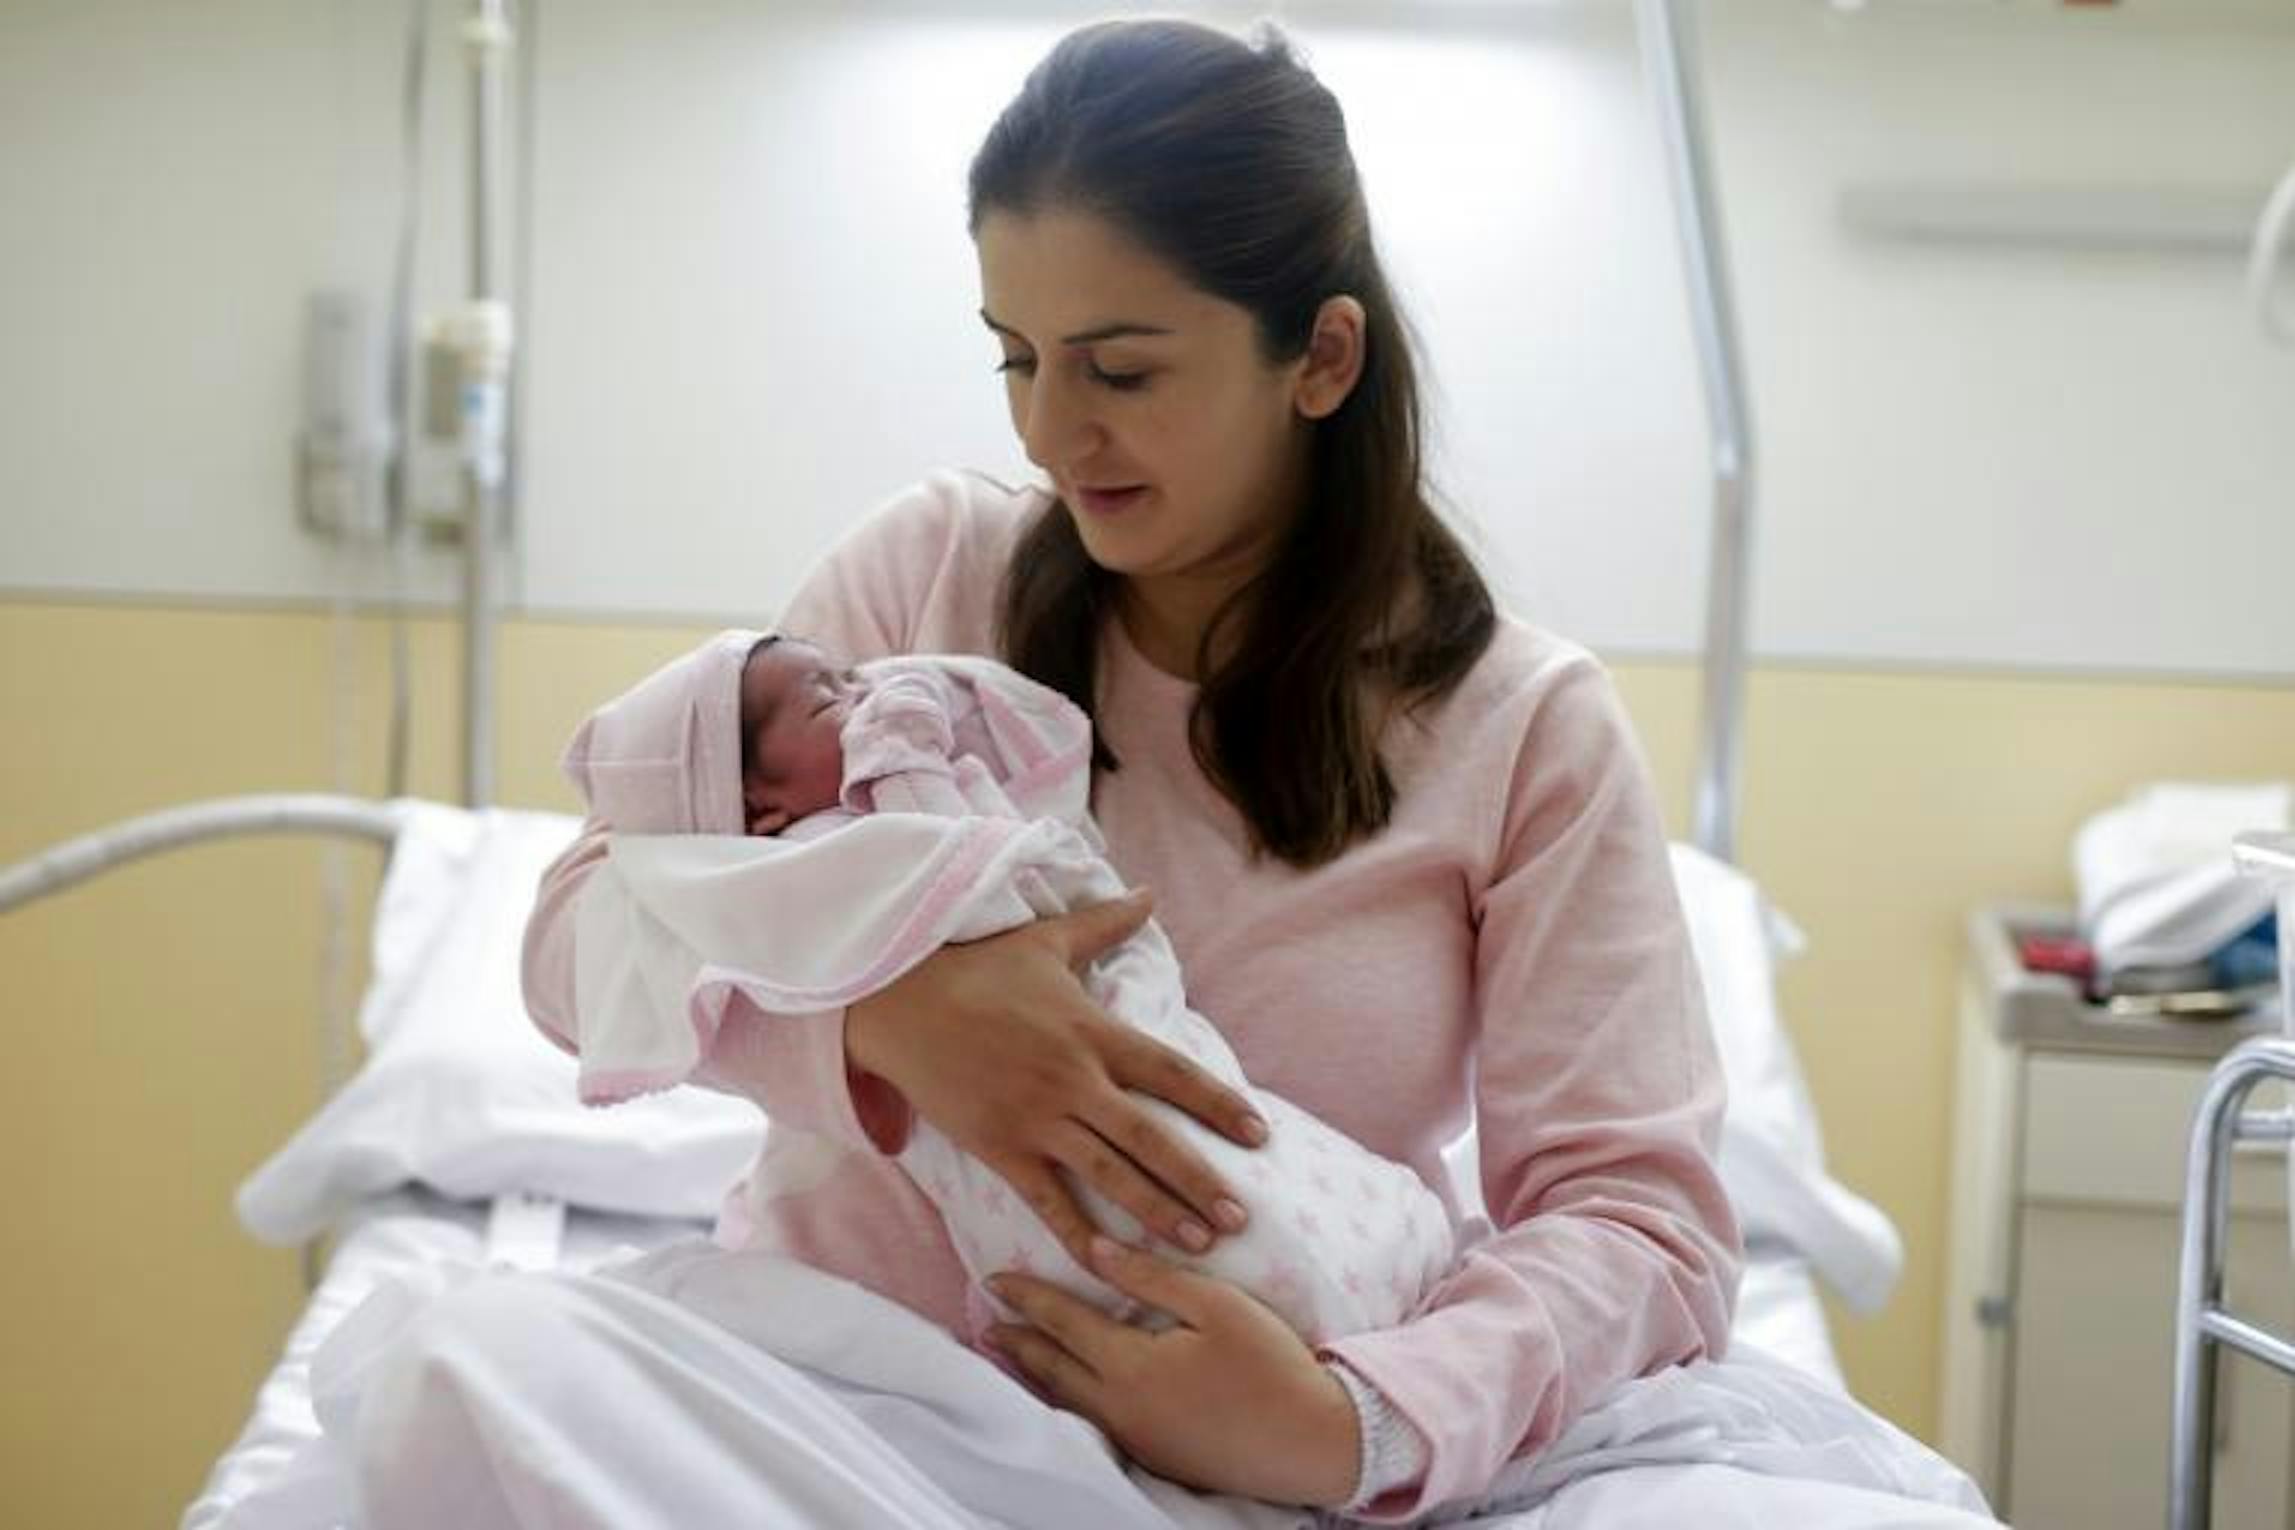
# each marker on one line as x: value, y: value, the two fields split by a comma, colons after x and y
x: 1879, y: 809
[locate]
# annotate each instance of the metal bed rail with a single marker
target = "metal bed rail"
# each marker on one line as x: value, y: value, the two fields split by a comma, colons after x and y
x: 76, y: 860
x: 2204, y: 1324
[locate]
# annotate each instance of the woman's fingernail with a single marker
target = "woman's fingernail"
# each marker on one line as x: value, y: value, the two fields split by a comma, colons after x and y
x: 1229, y: 1214
x: 1195, y: 1235
x: 1254, y: 1130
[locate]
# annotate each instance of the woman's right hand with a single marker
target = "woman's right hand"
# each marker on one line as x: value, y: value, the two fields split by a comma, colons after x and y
x: 996, y: 1043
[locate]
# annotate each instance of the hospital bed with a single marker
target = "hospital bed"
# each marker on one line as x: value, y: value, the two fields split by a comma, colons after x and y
x: 459, y: 1140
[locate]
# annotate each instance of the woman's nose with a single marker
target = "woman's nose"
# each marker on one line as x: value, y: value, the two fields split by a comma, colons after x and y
x: 1055, y: 424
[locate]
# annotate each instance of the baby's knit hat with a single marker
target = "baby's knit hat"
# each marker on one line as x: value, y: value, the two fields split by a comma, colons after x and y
x: 664, y: 757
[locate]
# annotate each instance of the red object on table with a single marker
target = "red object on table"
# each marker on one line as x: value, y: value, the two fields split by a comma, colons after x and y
x: 2066, y: 954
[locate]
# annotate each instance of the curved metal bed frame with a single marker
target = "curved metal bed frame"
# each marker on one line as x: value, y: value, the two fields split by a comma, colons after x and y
x: 76, y: 860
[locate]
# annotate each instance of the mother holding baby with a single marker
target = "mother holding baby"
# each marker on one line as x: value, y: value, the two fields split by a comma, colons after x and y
x: 1404, y: 846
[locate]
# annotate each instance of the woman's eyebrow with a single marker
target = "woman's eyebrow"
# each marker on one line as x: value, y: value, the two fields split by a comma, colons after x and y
x: 1117, y: 331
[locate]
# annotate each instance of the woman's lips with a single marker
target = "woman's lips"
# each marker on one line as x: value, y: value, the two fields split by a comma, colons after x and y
x: 1109, y: 501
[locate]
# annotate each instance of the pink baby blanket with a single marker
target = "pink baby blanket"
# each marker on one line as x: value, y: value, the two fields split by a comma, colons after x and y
x: 965, y: 788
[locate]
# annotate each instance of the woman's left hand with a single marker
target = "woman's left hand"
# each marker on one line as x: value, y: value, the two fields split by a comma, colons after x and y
x: 1229, y: 1399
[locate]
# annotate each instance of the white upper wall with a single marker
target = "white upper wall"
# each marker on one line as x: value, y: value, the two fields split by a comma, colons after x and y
x: 752, y: 305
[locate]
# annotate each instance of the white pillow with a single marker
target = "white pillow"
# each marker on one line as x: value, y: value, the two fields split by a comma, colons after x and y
x: 1772, y: 1158
x: 1772, y: 1155
x: 459, y: 1091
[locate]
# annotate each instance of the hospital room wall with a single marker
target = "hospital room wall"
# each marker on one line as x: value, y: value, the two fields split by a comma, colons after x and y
x: 750, y: 302
x: 164, y: 1016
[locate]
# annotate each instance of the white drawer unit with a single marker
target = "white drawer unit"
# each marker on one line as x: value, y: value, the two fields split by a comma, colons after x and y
x: 2060, y: 1294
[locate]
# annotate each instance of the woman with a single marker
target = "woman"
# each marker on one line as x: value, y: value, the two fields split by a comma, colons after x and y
x: 1405, y: 848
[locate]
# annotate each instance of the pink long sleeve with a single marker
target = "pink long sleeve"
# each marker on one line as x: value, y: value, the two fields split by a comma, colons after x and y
x: 1598, y: 1099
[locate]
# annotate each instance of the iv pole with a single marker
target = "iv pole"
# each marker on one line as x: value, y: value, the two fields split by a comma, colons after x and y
x: 1669, y: 54
x: 481, y: 337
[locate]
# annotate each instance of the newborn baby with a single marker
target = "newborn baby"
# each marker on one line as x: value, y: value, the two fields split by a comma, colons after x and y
x: 792, y: 718
x: 1339, y: 1239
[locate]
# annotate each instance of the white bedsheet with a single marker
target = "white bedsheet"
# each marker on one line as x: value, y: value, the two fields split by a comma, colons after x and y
x: 384, y: 1239
x: 1753, y: 1441
x: 1778, y: 1315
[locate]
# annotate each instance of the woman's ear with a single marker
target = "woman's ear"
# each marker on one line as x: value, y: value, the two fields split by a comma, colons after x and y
x: 1334, y: 360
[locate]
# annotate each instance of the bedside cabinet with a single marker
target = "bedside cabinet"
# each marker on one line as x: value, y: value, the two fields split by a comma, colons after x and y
x: 2058, y: 1329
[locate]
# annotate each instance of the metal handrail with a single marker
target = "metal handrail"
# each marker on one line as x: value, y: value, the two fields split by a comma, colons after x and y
x: 76, y: 860
x: 2203, y: 1323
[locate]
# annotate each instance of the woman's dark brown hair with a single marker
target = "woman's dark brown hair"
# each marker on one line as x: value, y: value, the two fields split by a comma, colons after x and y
x: 1230, y: 163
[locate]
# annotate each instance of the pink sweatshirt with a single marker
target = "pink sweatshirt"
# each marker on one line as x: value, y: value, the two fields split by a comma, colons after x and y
x: 1508, y: 950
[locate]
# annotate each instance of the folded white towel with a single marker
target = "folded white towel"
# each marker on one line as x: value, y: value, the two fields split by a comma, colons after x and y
x: 2156, y: 882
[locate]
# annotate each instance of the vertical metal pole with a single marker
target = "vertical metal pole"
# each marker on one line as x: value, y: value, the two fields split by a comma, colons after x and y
x: 1669, y: 52
x: 2199, y: 1287
x: 485, y: 342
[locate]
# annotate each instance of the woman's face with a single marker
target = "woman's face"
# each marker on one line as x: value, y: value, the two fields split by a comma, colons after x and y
x: 1178, y: 449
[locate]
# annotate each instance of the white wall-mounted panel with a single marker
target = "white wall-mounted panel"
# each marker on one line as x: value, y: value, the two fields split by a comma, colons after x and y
x: 752, y: 305
x: 2058, y: 457
x: 174, y: 180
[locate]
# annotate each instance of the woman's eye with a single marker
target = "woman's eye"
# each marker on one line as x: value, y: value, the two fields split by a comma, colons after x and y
x: 1122, y: 382
x: 1020, y: 364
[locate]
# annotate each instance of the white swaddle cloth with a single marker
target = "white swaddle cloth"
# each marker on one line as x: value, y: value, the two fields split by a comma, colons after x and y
x: 965, y: 797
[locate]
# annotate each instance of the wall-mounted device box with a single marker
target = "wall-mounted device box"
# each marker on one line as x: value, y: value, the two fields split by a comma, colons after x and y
x: 343, y: 453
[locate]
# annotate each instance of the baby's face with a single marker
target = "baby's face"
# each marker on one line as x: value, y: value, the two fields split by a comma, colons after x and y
x: 793, y: 707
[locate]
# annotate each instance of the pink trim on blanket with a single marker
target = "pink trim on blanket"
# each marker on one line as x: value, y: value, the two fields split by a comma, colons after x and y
x: 611, y: 1086
x: 1049, y: 773
x: 1030, y: 743
x: 617, y: 1085
x: 926, y: 925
